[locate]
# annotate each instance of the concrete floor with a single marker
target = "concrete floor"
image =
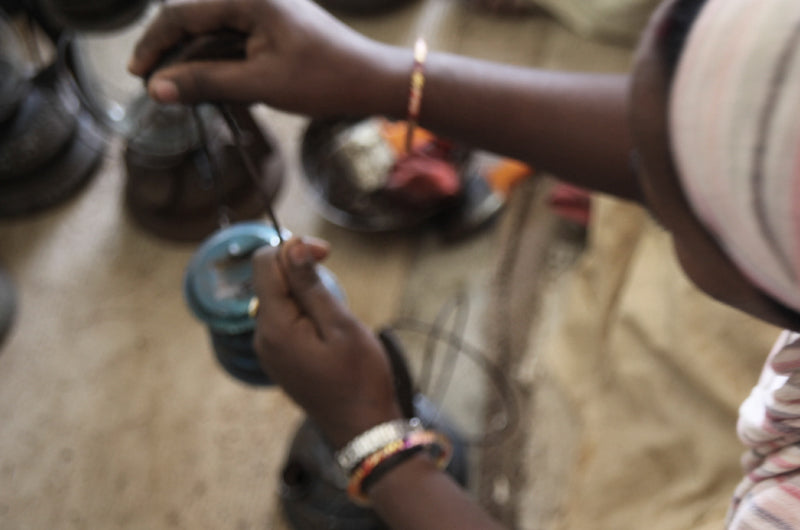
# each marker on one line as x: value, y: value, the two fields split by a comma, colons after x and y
x: 113, y: 413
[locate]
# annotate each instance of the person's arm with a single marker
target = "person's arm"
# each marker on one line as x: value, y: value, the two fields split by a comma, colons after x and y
x: 571, y: 124
x: 336, y: 369
x: 301, y: 59
x: 416, y: 495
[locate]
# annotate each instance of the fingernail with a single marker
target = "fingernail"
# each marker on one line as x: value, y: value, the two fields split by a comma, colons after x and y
x: 299, y: 255
x: 164, y: 90
x: 315, y: 241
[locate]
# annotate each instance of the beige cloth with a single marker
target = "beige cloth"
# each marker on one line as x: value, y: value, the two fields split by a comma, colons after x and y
x: 650, y: 373
x: 614, y: 20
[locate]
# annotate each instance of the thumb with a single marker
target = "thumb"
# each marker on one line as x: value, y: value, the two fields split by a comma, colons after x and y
x: 323, y: 307
x: 199, y: 81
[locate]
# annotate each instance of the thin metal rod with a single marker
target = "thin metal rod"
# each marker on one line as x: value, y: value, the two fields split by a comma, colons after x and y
x: 213, y: 168
x: 250, y: 167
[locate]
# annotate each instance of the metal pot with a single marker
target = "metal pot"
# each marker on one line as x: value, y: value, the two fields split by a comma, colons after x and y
x: 173, y: 190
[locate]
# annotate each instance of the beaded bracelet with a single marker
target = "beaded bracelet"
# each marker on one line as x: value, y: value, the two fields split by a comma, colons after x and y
x: 372, y: 440
x: 437, y: 444
x: 417, y: 85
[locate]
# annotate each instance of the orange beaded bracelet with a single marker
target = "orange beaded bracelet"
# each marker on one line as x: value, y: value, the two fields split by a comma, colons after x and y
x: 417, y: 85
x: 435, y: 443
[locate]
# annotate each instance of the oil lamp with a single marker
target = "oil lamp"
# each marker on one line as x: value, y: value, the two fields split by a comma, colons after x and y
x: 49, y: 143
x: 184, y: 176
x: 218, y: 287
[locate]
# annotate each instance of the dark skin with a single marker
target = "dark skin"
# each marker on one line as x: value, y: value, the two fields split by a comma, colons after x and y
x: 579, y: 126
x: 294, y: 48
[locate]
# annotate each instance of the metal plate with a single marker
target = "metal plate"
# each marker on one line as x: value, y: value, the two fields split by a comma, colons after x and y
x: 375, y: 212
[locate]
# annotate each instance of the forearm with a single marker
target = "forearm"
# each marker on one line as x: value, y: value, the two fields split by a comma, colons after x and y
x: 571, y: 124
x: 416, y: 495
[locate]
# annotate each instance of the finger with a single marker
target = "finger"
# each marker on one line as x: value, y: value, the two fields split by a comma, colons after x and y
x: 325, y: 309
x: 277, y: 309
x: 319, y: 248
x: 177, y: 21
x: 199, y: 81
x: 276, y: 302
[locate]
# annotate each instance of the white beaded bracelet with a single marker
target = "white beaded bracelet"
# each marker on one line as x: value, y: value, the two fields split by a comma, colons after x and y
x: 374, y: 440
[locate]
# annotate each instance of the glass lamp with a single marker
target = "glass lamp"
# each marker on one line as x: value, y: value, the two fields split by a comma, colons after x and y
x: 184, y: 177
x: 49, y: 143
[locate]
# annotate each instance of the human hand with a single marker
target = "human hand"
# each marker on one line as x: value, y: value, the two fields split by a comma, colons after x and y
x: 297, y: 58
x: 311, y: 345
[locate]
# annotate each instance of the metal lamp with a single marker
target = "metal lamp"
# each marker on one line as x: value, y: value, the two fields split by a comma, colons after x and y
x: 49, y: 143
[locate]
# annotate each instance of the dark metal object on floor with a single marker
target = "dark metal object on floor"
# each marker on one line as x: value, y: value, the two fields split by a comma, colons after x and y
x: 171, y: 189
x: 218, y: 289
x: 13, y: 87
x: 12, y: 7
x: 49, y: 143
x: 193, y: 169
x: 313, y: 488
x: 8, y: 305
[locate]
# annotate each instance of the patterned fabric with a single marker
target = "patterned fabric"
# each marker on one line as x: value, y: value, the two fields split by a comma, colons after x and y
x: 735, y: 132
x: 769, y: 424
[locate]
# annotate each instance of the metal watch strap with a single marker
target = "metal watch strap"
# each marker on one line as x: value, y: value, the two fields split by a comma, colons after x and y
x: 374, y: 440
